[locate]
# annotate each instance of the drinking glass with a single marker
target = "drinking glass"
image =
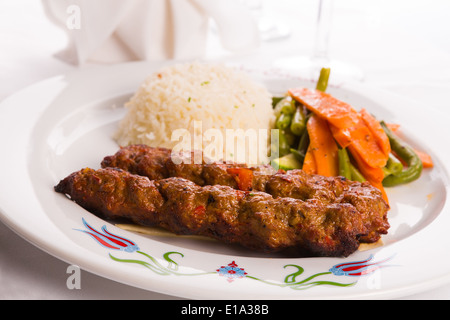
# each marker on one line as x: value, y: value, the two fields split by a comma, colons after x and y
x: 269, y: 28
x: 309, y: 66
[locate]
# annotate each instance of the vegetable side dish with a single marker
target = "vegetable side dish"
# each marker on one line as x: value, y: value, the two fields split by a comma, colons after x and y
x: 323, y: 135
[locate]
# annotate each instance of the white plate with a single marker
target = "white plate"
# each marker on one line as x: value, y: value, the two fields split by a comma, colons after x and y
x: 65, y: 123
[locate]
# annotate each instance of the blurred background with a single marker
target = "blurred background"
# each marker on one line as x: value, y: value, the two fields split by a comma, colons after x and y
x: 402, y: 46
x: 392, y: 42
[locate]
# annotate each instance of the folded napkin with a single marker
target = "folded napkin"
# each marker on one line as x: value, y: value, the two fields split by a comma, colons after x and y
x: 113, y: 31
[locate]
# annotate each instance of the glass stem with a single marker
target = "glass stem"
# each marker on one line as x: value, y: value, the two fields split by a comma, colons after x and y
x: 323, y: 29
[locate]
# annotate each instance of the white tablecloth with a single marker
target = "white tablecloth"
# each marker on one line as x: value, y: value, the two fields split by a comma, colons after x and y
x: 402, y: 46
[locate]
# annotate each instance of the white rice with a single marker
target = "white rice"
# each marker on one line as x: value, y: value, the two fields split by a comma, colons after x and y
x: 176, y: 107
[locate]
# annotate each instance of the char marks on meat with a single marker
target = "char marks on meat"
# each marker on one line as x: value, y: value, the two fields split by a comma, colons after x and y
x: 255, y: 220
x: 311, y: 214
x: 161, y: 163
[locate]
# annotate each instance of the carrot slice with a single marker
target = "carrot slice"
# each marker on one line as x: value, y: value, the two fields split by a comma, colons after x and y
x: 323, y: 146
x: 427, y: 161
x: 342, y: 136
x: 372, y: 174
x: 337, y: 112
x: 309, y: 163
x: 366, y: 146
x: 393, y: 126
x: 377, y: 131
x: 379, y: 186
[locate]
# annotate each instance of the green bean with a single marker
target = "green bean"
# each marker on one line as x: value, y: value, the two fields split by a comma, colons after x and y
x: 322, y: 83
x: 291, y: 138
x: 386, y: 171
x: 394, y: 165
x: 279, y: 146
x: 407, y: 154
x: 286, y: 106
x: 304, y: 142
x: 283, y: 145
x: 284, y: 112
x: 344, y: 163
x: 298, y: 124
x: 275, y: 101
x: 355, y: 174
x: 283, y: 121
x: 298, y: 155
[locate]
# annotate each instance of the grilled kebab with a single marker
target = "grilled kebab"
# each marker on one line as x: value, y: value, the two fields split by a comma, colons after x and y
x: 162, y: 163
x: 254, y: 219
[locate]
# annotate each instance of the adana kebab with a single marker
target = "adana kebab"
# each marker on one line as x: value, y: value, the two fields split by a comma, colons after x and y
x: 254, y: 219
x: 158, y: 163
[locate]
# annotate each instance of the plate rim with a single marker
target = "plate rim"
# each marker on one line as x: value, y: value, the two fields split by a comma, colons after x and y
x: 61, y: 254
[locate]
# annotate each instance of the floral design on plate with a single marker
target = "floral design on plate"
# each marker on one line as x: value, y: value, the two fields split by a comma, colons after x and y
x: 232, y: 271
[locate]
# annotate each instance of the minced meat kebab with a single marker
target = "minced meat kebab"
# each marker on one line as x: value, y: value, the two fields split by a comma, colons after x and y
x: 252, y: 206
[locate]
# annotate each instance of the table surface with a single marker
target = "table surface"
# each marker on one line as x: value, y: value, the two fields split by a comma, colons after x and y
x: 401, y: 47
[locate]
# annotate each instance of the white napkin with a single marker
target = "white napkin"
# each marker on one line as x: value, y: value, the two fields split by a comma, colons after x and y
x: 113, y: 31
